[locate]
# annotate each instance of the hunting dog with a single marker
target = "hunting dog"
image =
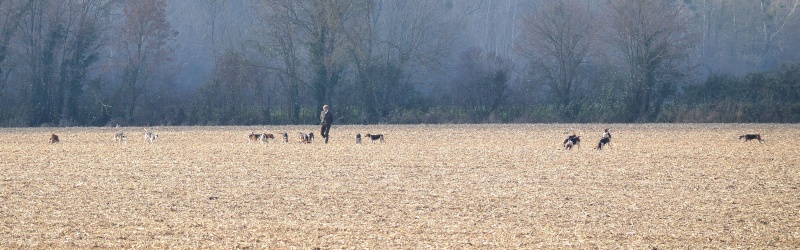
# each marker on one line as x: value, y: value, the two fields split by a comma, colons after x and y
x: 748, y: 137
x: 253, y: 137
x: 285, y: 137
x: 53, y: 138
x: 571, y: 141
x: 265, y: 137
x: 376, y: 137
x: 607, y: 133
x: 303, y: 138
x: 358, y: 138
x: 260, y: 138
x: 605, y: 140
x: 150, y: 136
x: 121, y: 137
x: 306, y: 138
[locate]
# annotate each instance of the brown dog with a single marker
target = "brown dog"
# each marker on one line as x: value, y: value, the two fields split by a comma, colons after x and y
x: 253, y: 137
x: 265, y: 137
x: 53, y: 138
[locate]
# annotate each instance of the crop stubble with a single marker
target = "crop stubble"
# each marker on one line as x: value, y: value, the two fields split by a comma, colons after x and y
x: 428, y: 186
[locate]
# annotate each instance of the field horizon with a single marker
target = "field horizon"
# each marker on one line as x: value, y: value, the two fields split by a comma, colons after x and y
x: 429, y: 186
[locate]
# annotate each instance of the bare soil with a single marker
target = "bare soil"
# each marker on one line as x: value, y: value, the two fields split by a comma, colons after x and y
x: 429, y: 186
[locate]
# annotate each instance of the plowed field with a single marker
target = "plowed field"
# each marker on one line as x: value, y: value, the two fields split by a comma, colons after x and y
x: 429, y: 186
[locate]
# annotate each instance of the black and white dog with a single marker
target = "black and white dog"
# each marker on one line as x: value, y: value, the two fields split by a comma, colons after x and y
x: 376, y: 137
x: 748, y: 137
x: 306, y: 138
x: 150, y: 136
x: 605, y: 140
x: 571, y: 141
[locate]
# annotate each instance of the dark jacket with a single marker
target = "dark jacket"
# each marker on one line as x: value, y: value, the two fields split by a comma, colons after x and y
x: 326, y: 118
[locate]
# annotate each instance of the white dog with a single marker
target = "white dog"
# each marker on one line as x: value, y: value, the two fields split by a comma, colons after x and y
x: 121, y: 137
x: 150, y: 136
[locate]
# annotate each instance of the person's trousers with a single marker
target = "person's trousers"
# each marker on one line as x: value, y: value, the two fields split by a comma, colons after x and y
x: 324, y: 131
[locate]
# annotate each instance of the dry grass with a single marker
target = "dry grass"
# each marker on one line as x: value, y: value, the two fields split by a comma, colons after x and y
x: 449, y: 186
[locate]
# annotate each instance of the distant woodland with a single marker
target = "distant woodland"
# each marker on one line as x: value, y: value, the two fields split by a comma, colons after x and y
x: 253, y: 62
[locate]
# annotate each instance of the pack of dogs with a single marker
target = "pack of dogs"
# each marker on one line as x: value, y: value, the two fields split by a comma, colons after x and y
x: 605, y: 140
x: 569, y: 143
x: 260, y: 137
x: 372, y: 137
x: 575, y: 141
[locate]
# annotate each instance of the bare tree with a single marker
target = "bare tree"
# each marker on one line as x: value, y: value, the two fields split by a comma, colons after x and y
x: 42, y: 31
x: 61, y: 43
x: 326, y: 44
x: 144, y: 46
x: 395, y: 44
x: 236, y: 93
x: 775, y: 14
x: 308, y: 36
x: 482, y: 83
x: 214, y: 9
x: 740, y: 36
x: 85, y: 38
x: 361, y: 36
x: 556, y: 40
x: 653, y: 41
x: 10, y: 14
x: 283, y: 41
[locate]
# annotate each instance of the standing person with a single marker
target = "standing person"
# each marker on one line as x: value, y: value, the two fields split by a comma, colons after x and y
x: 326, y: 119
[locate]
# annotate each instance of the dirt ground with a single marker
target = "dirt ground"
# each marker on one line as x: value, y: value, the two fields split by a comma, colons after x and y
x: 659, y: 186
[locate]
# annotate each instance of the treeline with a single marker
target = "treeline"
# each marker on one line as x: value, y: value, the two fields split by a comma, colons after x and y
x: 107, y: 62
x: 771, y: 96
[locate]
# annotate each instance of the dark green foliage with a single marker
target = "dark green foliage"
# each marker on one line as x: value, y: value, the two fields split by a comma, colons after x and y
x: 772, y: 96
